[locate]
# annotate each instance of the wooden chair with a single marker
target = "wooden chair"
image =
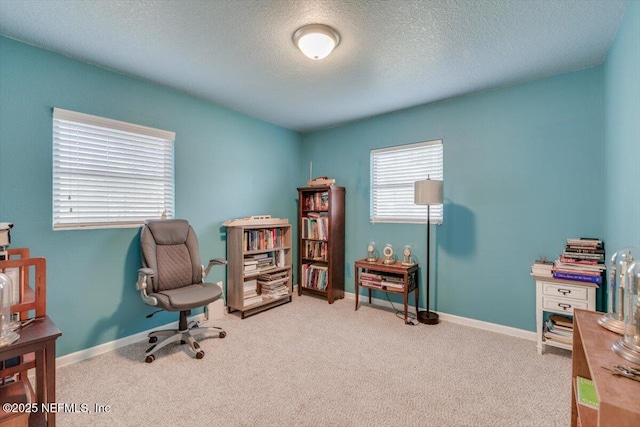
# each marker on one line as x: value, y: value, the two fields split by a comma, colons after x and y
x: 32, y: 302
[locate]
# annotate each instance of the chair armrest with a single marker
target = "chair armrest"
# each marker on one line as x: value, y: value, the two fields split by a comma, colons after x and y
x: 215, y: 261
x: 143, y: 275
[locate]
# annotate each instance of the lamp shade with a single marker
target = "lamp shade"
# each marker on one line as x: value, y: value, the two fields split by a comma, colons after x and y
x: 427, y: 192
x: 316, y: 41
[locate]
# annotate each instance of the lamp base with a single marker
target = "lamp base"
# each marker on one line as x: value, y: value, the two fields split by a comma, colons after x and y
x: 428, y: 317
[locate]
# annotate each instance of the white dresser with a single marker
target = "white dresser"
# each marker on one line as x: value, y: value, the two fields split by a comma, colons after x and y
x: 562, y: 297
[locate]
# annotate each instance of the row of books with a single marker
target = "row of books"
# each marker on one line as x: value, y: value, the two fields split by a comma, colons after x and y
x: 316, y: 202
x: 267, y: 238
x: 315, y: 227
x: 315, y: 250
x: 382, y: 281
x: 559, y: 328
x: 314, y: 276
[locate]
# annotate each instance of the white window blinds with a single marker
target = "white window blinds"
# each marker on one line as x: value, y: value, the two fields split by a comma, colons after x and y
x: 108, y: 173
x: 394, y: 170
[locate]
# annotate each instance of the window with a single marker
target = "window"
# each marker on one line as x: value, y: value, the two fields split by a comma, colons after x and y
x: 108, y: 173
x: 394, y: 171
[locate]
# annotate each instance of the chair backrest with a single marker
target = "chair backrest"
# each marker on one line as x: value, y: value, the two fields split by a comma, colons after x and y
x: 170, y: 248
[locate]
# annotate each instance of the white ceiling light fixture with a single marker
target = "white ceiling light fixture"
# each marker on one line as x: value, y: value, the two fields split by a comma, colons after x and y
x: 316, y: 41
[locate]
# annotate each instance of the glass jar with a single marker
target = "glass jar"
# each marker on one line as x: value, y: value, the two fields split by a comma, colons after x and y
x: 7, y: 336
x: 620, y: 263
x: 629, y: 345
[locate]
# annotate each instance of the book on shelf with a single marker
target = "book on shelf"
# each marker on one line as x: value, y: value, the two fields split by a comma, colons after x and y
x: 542, y: 268
x: 315, y: 276
x: 559, y: 338
x: 586, y: 393
x: 317, y: 201
x: 561, y: 321
x: 578, y: 277
x: 252, y: 300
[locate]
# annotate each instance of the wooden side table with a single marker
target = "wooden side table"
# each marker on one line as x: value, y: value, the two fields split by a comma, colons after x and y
x: 408, y: 273
x: 562, y: 297
x: 40, y: 338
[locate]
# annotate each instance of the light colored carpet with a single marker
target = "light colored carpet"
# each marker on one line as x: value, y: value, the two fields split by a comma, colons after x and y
x: 308, y: 363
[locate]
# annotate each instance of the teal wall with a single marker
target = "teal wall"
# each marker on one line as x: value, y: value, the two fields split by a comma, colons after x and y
x: 525, y: 167
x: 228, y: 165
x: 622, y: 134
x: 522, y: 172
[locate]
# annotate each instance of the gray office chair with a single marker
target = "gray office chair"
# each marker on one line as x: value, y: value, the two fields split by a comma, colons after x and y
x: 172, y: 279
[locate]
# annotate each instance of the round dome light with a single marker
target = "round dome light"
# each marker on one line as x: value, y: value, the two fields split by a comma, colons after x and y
x: 316, y: 41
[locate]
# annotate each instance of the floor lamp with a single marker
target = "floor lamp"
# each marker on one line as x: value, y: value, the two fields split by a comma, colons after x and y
x: 428, y: 192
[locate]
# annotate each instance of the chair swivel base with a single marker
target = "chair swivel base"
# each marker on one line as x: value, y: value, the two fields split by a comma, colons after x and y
x: 184, y: 336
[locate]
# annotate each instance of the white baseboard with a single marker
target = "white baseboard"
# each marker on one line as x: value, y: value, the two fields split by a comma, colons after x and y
x: 479, y: 324
x: 88, y: 353
x: 141, y: 336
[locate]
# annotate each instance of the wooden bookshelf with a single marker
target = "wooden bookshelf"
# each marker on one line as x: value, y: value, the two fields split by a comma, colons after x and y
x: 321, y: 241
x: 248, y: 245
x: 619, y: 397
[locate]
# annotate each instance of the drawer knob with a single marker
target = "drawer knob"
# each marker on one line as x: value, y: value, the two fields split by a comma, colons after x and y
x: 564, y: 306
x: 564, y: 291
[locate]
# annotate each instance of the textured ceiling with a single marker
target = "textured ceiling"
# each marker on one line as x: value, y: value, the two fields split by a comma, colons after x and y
x: 393, y: 54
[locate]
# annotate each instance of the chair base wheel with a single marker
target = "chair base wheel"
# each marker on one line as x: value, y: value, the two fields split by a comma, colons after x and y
x: 200, y: 354
x: 153, y: 340
x: 150, y: 358
x: 222, y: 334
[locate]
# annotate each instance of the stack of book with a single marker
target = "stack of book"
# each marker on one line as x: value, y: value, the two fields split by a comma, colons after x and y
x: 582, y: 260
x: 559, y: 328
x: 274, y: 285
x: 321, y: 181
x: 392, y: 282
x: 382, y: 281
x: 251, y: 295
x: 542, y: 268
x: 371, y: 279
x: 257, y: 263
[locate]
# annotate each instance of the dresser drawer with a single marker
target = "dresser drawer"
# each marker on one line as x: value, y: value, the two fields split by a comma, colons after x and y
x: 565, y: 291
x: 563, y: 305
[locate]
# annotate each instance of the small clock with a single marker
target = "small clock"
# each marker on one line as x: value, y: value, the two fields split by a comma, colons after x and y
x: 388, y: 254
x: 406, y: 256
x: 371, y: 252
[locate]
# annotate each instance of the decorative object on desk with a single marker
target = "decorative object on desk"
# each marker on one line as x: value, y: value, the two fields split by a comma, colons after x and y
x: 620, y: 263
x: 7, y: 336
x: 629, y: 345
x: 388, y: 255
x: 321, y: 181
x: 255, y: 220
x: 371, y: 252
x: 406, y: 256
x: 428, y: 192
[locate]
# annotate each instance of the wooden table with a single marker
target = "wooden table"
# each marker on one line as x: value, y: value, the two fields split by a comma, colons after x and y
x: 409, y: 274
x: 39, y: 337
x: 619, y: 397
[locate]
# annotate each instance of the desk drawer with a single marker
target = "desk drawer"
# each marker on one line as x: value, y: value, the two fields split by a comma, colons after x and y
x: 563, y: 305
x: 564, y: 291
